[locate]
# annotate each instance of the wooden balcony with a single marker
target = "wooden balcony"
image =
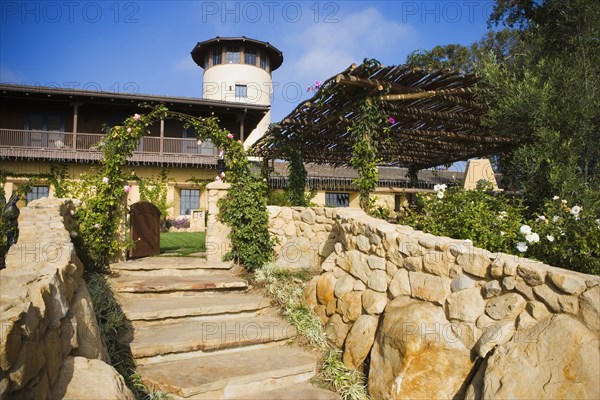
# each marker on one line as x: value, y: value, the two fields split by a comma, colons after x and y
x: 82, y: 147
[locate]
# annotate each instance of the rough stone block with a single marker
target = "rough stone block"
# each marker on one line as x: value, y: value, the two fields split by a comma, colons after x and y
x: 492, y: 289
x: 349, y: 306
x: 400, y: 284
x: 567, y: 282
x: 413, y: 263
x: 429, y: 287
x: 556, y: 301
x: 376, y: 262
x: 533, y: 273
x: 359, y: 340
x: 465, y: 305
x: 374, y: 302
x: 378, y: 281
x: 474, y: 263
x: 507, y: 306
x: 344, y: 285
x: 325, y: 287
x: 589, y: 306
x: 336, y: 330
x: 462, y: 282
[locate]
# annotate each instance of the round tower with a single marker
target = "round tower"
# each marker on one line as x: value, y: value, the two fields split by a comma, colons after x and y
x: 238, y: 69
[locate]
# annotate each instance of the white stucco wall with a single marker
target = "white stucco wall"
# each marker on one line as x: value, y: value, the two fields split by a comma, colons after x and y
x: 219, y: 83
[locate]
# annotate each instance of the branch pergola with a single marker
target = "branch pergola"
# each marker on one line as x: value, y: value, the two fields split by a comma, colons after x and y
x: 437, y: 119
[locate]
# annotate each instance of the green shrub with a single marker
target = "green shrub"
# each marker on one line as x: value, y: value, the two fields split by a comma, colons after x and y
x: 564, y: 236
x: 279, y: 198
x: 560, y: 235
x: 245, y: 210
x: 490, y: 221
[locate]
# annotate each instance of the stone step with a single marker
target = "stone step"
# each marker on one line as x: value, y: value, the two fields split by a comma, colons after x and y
x: 299, y: 391
x: 136, y: 308
x: 161, y: 263
x: 206, y: 280
x: 207, y: 334
x: 222, y: 376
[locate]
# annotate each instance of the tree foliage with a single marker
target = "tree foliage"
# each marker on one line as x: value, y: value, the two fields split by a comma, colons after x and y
x: 540, y: 80
x: 552, y: 97
x: 503, y: 44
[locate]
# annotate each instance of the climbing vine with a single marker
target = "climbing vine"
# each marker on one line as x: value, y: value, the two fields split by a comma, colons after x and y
x: 58, y: 180
x: 100, y: 218
x: 245, y: 211
x: 154, y: 190
x: 296, y: 179
x: 369, y: 131
x: 104, y: 193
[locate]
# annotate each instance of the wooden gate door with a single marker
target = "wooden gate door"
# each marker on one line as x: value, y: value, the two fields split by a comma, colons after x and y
x: 144, y: 229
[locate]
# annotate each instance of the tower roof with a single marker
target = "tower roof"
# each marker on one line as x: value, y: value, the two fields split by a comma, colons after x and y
x: 201, y: 49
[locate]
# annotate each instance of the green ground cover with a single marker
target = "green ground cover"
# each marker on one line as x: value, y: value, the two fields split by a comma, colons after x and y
x: 182, y: 243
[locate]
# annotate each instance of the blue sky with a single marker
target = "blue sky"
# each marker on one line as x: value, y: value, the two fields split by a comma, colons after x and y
x: 144, y: 46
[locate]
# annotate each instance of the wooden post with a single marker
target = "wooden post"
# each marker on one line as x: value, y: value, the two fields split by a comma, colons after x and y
x: 242, y: 119
x: 162, y: 135
x: 75, y: 122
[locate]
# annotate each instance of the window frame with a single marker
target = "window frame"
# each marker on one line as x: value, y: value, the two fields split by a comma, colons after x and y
x: 337, y: 203
x: 30, y: 196
x: 233, y: 56
x: 242, y: 93
x: 44, y: 117
x: 216, y: 56
x: 188, y: 201
x: 252, y: 53
x: 264, y: 61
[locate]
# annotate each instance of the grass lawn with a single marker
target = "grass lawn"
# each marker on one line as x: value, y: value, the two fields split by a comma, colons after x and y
x: 182, y: 243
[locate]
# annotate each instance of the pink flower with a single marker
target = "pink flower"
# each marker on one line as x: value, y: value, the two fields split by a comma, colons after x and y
x: 126, y: 188
x: 222, y: 174
x: 217, y: 178
x: 392, y: 120
x: 221, y: 153
x: 318, y: 84
x: 137, y: 117
x: 309, y: 89
x: 97, y: 226
x: 229, y: 136
x: 199, y: 142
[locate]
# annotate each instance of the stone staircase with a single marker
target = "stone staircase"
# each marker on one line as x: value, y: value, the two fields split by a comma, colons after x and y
x: 197, y: 334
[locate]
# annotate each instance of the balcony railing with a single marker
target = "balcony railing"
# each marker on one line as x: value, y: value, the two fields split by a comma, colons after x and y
x: 84, y: 146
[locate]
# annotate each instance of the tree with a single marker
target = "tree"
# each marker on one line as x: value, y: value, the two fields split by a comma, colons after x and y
x: 551, y: 95
x: 503, y: 44
x: 452, y: 56
x: 540, y: 80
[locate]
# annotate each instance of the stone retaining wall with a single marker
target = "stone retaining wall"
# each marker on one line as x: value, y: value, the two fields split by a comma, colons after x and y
x: 440, y: 318
x: 48, y: 321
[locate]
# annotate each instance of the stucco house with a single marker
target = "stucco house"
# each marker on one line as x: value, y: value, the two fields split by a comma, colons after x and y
x: 45, y: 126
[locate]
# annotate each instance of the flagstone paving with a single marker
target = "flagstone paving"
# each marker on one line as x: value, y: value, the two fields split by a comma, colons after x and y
x: 197, y: 334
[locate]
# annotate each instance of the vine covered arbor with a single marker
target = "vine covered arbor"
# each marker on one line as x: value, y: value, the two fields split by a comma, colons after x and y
x: 370, y: 115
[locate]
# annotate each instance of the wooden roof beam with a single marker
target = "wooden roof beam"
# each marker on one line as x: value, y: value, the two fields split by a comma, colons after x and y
x: 425, y: 94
